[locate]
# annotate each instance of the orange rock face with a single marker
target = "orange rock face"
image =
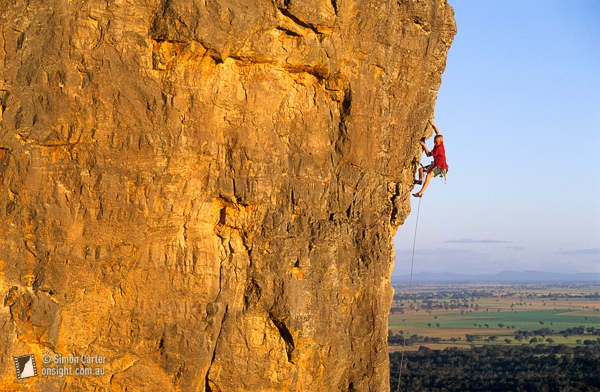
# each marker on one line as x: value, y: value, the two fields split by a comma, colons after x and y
x: 185, y: 187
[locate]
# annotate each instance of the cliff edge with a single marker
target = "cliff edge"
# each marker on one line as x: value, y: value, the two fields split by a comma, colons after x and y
x: 185, y: 188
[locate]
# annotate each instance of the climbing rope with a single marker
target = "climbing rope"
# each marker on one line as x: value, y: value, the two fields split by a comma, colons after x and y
x: 412, y: 264
x: 368, y: 229
x: 374, y: 343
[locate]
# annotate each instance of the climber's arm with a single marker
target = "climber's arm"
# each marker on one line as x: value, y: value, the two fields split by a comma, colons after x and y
x: 435, y: 128
x: 427, y: 152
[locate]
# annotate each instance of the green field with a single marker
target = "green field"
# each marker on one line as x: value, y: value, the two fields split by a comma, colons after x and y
x: 524, y: 320
x: 497, y: 312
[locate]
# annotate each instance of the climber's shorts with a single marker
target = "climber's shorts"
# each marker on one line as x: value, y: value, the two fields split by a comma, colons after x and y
x: 435, y: 169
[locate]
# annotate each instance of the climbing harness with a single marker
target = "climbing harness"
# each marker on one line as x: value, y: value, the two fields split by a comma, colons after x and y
x: 443, y: 172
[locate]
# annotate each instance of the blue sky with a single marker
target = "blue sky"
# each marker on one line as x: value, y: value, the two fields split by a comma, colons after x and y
x: 519, y: 108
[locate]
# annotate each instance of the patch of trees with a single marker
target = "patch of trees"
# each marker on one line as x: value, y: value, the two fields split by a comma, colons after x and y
x: 456, y: 295
x: 499, y: 368
x: 398, y: 339
x: 538, y: 332
x: 431, y: 305
x: 581, y: 330
x: 556, y: 296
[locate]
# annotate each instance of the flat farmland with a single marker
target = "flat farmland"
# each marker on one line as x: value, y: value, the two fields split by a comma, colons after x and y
x: 495, y: 315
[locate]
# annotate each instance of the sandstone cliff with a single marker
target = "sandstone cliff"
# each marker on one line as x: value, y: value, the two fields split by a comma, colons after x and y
x: 184, y: 187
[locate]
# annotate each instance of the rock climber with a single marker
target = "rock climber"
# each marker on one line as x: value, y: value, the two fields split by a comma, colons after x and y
x: 438, y: 167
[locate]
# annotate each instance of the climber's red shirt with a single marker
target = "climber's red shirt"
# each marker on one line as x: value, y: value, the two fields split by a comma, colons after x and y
x: 439, y: 156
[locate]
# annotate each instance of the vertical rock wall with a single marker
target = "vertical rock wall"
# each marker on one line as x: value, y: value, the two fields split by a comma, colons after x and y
x: 184, y: 186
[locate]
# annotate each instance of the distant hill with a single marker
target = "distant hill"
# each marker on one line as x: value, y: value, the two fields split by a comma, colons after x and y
x: 501, y: 277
